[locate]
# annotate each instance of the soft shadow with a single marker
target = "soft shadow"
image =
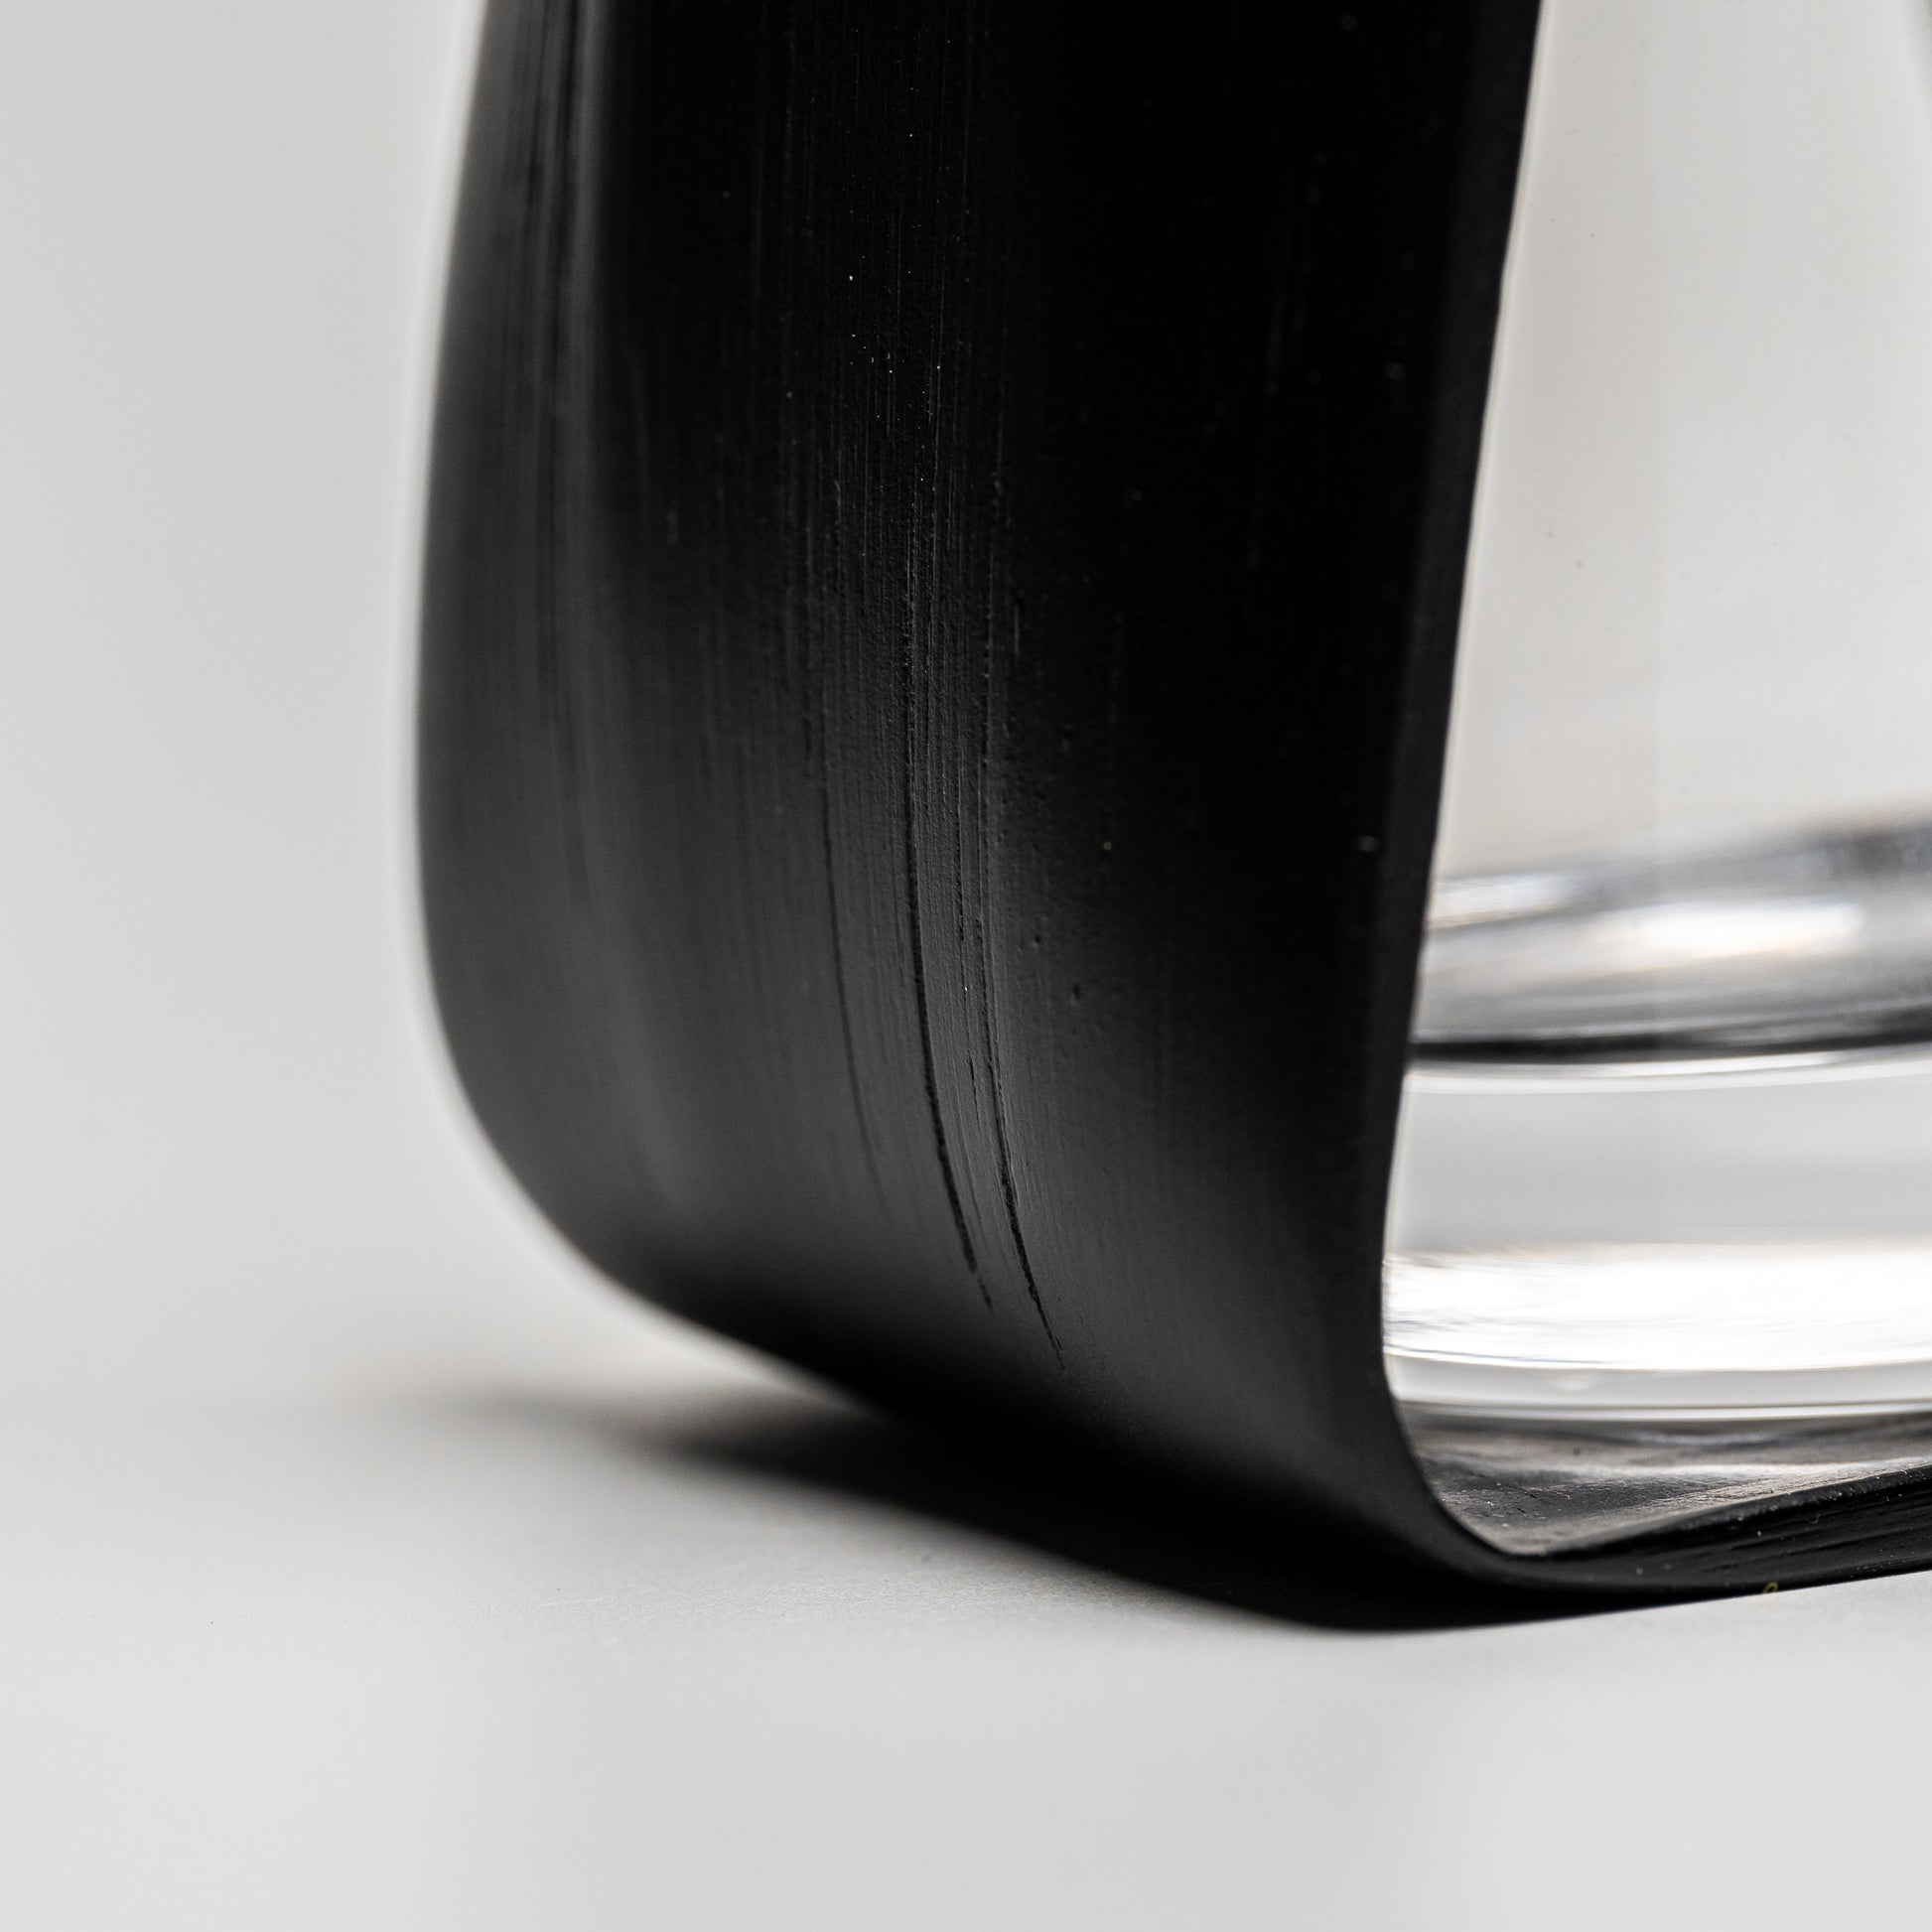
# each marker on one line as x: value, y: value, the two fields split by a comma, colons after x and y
x: 1044, y: 1501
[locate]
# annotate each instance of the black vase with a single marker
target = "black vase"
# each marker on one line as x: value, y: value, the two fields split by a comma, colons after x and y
x: 948, y: 538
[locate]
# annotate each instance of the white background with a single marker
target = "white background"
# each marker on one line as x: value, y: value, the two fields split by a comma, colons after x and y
x: 1700, y: 593
x: 362, y: 1562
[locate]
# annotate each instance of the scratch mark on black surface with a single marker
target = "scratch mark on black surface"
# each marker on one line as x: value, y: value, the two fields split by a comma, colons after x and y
x: 997, y: 1098
x: 919, y: 619
x: 551, y: 191
x: 921, y: 1001
x: 989, y: 840
x: 843, y: 991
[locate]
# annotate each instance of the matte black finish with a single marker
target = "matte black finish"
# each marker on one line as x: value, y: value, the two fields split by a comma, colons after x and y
x: 946, y: 544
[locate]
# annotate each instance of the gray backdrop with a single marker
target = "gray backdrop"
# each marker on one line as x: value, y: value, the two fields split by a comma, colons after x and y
x: 361, y: 1561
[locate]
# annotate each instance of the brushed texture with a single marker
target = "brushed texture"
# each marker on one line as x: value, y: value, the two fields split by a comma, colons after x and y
x: 946, y: 544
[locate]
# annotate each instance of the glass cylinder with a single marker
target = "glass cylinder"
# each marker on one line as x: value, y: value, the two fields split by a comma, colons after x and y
x: 1661, y: 1234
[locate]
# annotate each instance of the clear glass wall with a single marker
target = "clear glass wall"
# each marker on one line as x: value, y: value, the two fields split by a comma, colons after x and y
x: 1661, y: 1239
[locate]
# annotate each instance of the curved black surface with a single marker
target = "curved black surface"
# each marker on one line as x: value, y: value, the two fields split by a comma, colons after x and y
x: 946, y: 543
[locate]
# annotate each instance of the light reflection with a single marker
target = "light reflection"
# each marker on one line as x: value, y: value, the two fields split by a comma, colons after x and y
x: 1826, y: 937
